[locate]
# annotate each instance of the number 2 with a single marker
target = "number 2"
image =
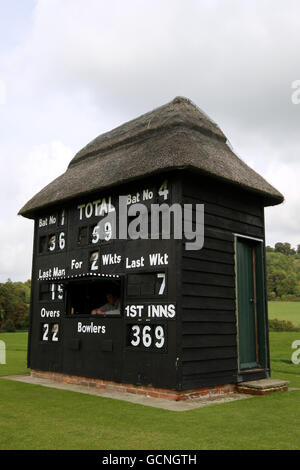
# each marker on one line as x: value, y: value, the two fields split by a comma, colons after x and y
x: 46, y: 331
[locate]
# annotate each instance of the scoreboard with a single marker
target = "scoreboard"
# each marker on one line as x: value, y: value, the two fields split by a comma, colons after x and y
x: 75, y: 267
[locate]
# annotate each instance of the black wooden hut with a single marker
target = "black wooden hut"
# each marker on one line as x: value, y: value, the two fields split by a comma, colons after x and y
x: 186, y: 319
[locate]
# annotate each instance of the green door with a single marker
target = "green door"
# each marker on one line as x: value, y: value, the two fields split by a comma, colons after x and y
x: 246, y: 304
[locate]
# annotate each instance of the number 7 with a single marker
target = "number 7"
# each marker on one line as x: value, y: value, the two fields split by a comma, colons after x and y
x: 163, y: 284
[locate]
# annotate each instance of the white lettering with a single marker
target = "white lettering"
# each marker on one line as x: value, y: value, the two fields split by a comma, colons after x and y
x: 80, y: 209
x: 135, y: 263
x: 91, y: 328
x: 111, y: 259
x: 113, y: 460
x: 45, y: 274
x: 50, y: 313
x: 43, y: 222
x: 133, y: 198
x: 89, y: 210
x: 96, y: 208
x: 133, y: 311
x: 159, y: 311
x: 58, y: 272
x: 147, y: 195
x: 156, y: 259
x: 76, y: 264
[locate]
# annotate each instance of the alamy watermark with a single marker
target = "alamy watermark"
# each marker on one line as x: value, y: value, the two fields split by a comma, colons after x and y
x: 295, y: 97
x: 296, y: 354
x: 2, y: 352
x: 154, y: 221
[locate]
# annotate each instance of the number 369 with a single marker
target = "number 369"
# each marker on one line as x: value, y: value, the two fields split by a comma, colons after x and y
x: 147, y: 336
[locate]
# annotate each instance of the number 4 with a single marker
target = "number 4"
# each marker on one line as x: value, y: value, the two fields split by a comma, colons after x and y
x: 163, y: 190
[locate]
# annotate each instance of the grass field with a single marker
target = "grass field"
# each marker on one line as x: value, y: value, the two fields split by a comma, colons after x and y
x: 16, y: 353
x: 289, y: 311
x: 35, y: 417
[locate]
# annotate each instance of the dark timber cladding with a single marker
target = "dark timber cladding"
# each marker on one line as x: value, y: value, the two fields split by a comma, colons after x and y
x: 209, y: 343
x: 173, y: 318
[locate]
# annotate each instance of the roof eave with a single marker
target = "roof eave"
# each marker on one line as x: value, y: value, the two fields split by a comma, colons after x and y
x: 30, y: 211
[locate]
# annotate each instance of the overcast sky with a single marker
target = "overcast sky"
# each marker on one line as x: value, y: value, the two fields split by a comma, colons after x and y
x: 73, y: 69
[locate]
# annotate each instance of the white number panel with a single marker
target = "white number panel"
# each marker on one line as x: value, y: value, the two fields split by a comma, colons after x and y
x: 50, y: 332
x: 147, y: 337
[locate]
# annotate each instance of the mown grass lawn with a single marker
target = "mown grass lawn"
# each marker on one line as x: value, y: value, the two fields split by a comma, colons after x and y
x: 16, y: 354
x: 35, y: 417
x: 289, y: 311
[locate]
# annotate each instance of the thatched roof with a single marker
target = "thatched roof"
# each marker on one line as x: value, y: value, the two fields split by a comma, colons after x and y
x: 174, y: 136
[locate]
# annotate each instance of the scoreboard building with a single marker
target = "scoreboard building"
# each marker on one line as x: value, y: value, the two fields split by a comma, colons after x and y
x: 144, y: 313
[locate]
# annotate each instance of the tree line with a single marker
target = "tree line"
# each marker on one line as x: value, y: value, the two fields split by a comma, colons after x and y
x: 283, y: 272
x: 283, y: 283
x: 14, y: 305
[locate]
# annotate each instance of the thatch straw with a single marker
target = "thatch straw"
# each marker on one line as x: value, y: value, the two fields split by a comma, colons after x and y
x: 174, y: 136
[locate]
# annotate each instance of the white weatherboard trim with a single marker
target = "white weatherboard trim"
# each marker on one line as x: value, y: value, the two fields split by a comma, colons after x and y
x: 250, y: 238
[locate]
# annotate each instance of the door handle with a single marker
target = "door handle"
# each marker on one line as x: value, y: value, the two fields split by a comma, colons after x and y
x: 251, y: 300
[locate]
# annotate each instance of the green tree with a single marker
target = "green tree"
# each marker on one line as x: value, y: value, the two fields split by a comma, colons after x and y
x: 14, y: 303
x: 281, y: 275
x: 284, y: 248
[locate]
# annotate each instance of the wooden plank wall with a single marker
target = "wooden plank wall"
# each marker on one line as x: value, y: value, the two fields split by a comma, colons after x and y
x: 209, y: 342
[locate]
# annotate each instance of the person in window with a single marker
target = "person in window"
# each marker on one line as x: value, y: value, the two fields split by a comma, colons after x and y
x: 112, y: 305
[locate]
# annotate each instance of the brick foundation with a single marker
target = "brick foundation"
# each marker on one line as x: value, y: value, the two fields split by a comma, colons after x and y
x: 216, y: 391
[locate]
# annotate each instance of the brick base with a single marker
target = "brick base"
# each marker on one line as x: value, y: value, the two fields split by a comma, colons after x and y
x: 209, y: 392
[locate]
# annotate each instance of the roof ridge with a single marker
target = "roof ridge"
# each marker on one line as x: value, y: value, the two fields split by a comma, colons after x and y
x: 180, y: 112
